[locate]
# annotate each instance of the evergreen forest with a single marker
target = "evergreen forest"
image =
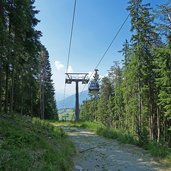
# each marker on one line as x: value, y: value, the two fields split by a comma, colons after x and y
x: 135, y: 97
x: 26, y: 86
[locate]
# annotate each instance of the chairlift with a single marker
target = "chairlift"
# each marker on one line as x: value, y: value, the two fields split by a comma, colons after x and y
x: 93, y: 87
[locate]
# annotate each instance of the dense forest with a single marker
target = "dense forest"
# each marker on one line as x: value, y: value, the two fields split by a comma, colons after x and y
x: 136, y: 96
x: 25, y: 74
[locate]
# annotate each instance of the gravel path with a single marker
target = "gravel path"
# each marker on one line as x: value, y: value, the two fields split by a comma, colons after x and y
x: 96, y: 153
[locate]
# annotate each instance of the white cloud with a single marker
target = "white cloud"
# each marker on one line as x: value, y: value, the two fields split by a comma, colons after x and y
x: 58, y: 65
x: 59, y: 80
x: 70, y: 69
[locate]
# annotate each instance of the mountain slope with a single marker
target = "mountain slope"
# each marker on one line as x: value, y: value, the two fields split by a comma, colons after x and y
x: 69, y: 102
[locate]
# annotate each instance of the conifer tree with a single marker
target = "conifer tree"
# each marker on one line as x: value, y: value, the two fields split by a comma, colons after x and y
x: 48, y: 107
x: 105, y: 94
x: 143, y: 39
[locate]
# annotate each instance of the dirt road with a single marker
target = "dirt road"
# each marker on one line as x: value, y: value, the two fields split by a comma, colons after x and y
x: 96, y: 153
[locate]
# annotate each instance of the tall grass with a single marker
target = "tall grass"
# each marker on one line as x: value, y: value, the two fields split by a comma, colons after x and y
x: 33, y: 144
x: 158, y: 149
x: 121, y: 136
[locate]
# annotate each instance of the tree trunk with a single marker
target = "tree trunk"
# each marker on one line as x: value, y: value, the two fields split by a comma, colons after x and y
x: 151, y: 126
x: 6, y: 89
x: 139, y: 111
x: 31, y: 101
x: 42, y: 99
x: 22, y: 97
x: 158, y: 125
x: 12, y: 92
x: 0, y: 87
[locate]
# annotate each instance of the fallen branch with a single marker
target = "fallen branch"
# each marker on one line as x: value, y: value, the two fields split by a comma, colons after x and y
x: 82, y: 151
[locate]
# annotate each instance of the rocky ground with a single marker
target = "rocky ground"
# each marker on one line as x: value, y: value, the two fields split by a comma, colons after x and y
x: 96, y: 153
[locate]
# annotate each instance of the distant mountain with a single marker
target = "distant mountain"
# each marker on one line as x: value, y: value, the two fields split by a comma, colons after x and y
x: 59, y: 96
x: 70, y: 101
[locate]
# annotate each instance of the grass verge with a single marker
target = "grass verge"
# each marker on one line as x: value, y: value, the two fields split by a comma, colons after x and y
x: 121, y: 136
x: 33, y: 144
x: 93, y: 126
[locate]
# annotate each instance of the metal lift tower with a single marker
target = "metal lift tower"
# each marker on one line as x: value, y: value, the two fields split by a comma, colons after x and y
x: 76, y: 77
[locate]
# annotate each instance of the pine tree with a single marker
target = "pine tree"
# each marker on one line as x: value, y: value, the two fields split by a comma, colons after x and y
x: 162, y: 69
x: 88, y: 110
x: 163, y: 83
x: 143, y: 40
x: 102, y: 108
x: 163, y: 13
x: 48, y: 107
x: 116, y: 105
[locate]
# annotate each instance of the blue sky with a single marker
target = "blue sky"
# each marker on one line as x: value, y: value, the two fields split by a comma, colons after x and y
x: 96, y: 23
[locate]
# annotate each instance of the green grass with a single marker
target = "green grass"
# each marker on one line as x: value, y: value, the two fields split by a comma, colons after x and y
x: 93, y: 126
x: 121, y: 136
x: 159, y: 150
x: 161, y: 153
x: 33, y: 144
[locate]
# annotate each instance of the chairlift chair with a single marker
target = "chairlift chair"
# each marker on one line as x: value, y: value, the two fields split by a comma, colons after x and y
x: 93, y: 87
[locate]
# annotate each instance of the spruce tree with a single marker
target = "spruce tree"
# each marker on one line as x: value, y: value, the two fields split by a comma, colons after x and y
x: 105, y: 93
x: 48, y: 107
x: 143, y: 39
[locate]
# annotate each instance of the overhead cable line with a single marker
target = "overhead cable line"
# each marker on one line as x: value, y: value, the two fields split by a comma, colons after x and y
x: 104, y: 54
x: 70, y: 43
x: 72, y: 28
